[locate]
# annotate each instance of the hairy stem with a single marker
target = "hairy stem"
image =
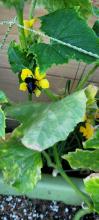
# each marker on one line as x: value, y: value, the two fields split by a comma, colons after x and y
x: 67, y: 179
x: 51, y: 95
x: 87, y: 76
x: 21, y: 30
x: 48, y: 159
x: 32, y: 8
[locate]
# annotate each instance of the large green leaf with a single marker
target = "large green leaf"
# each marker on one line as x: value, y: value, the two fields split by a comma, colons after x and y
x: 3, y: 98
x: 84, y: 7
x: 2, y: 124
x: 73, y: 36
x: 83, y: 159
x: 92, y: 187
x: 45, y: 124
x: 56, y: 54
x: 21, y: 167
x: 93, y: 142
x: 17, y: 57
x: 69, y: 27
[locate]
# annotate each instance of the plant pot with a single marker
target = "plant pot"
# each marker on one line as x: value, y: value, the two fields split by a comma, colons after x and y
x: 48, y: 188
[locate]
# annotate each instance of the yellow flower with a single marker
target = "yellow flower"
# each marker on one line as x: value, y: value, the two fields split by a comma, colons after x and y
x: 41, y: 81
x: 23, y: 86
x: 39, y: 75
x: 28, y: 24
x: 37, y: 92
x: 26, y: 73
x: 34, y: 83
x: 87, y: 131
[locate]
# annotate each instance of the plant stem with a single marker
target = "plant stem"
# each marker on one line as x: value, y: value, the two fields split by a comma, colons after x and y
x: 67, y: 179
x: 51, y: 95
x: 29, y: 97
x: 85, y: 79
x: 81, y: 213
x: 32, y: 7
x: 21, y: 30
x: 58, y: 166
x: 48, y: 159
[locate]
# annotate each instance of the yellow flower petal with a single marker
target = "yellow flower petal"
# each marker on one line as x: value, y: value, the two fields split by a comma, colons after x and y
x: 26, y: 73
x: 37, y: 92
x: 23, y: 86
x: 90, y: 130
x: 87, y: 131
x: 39, y: 75
x: 43, y: 83
x: 82, y: 129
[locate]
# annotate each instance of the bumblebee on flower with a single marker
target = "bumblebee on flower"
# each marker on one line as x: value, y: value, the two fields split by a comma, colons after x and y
x: 33, y: 82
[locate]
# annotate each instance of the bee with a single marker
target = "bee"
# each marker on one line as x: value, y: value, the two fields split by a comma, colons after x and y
x: 31, y: 84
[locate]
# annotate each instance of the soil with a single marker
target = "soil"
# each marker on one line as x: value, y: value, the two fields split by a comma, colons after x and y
x: 22, y: 208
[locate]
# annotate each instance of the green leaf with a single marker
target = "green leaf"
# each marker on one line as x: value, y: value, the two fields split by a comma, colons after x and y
x: 56, y: 54
x: 84, y: 7
x: 2, y: 124
x: 71, y: 38
x: 21, y: 167
x: 93, y: 142
x: 45, y: 124
x: 92, y: 187
x: 17, y: 58
x: 3, y: 98
x: 83, y: 159
x: 68, y: 27
x: 96, y: 27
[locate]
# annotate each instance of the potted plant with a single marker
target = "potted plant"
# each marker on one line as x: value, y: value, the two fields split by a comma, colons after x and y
x: 60, y: 135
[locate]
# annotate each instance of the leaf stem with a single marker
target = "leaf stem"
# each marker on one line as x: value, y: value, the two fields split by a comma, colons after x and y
x: 87, y: 77
x: 81, y: 213
x: 67, y: 179
x: 51, y: 95
x: 48, y: 159
x: 58, y: 167
x: 21, y: 30
x: 32, y: 7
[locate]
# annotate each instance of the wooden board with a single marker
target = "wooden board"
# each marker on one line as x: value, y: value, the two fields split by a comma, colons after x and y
x: 57, y: 74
